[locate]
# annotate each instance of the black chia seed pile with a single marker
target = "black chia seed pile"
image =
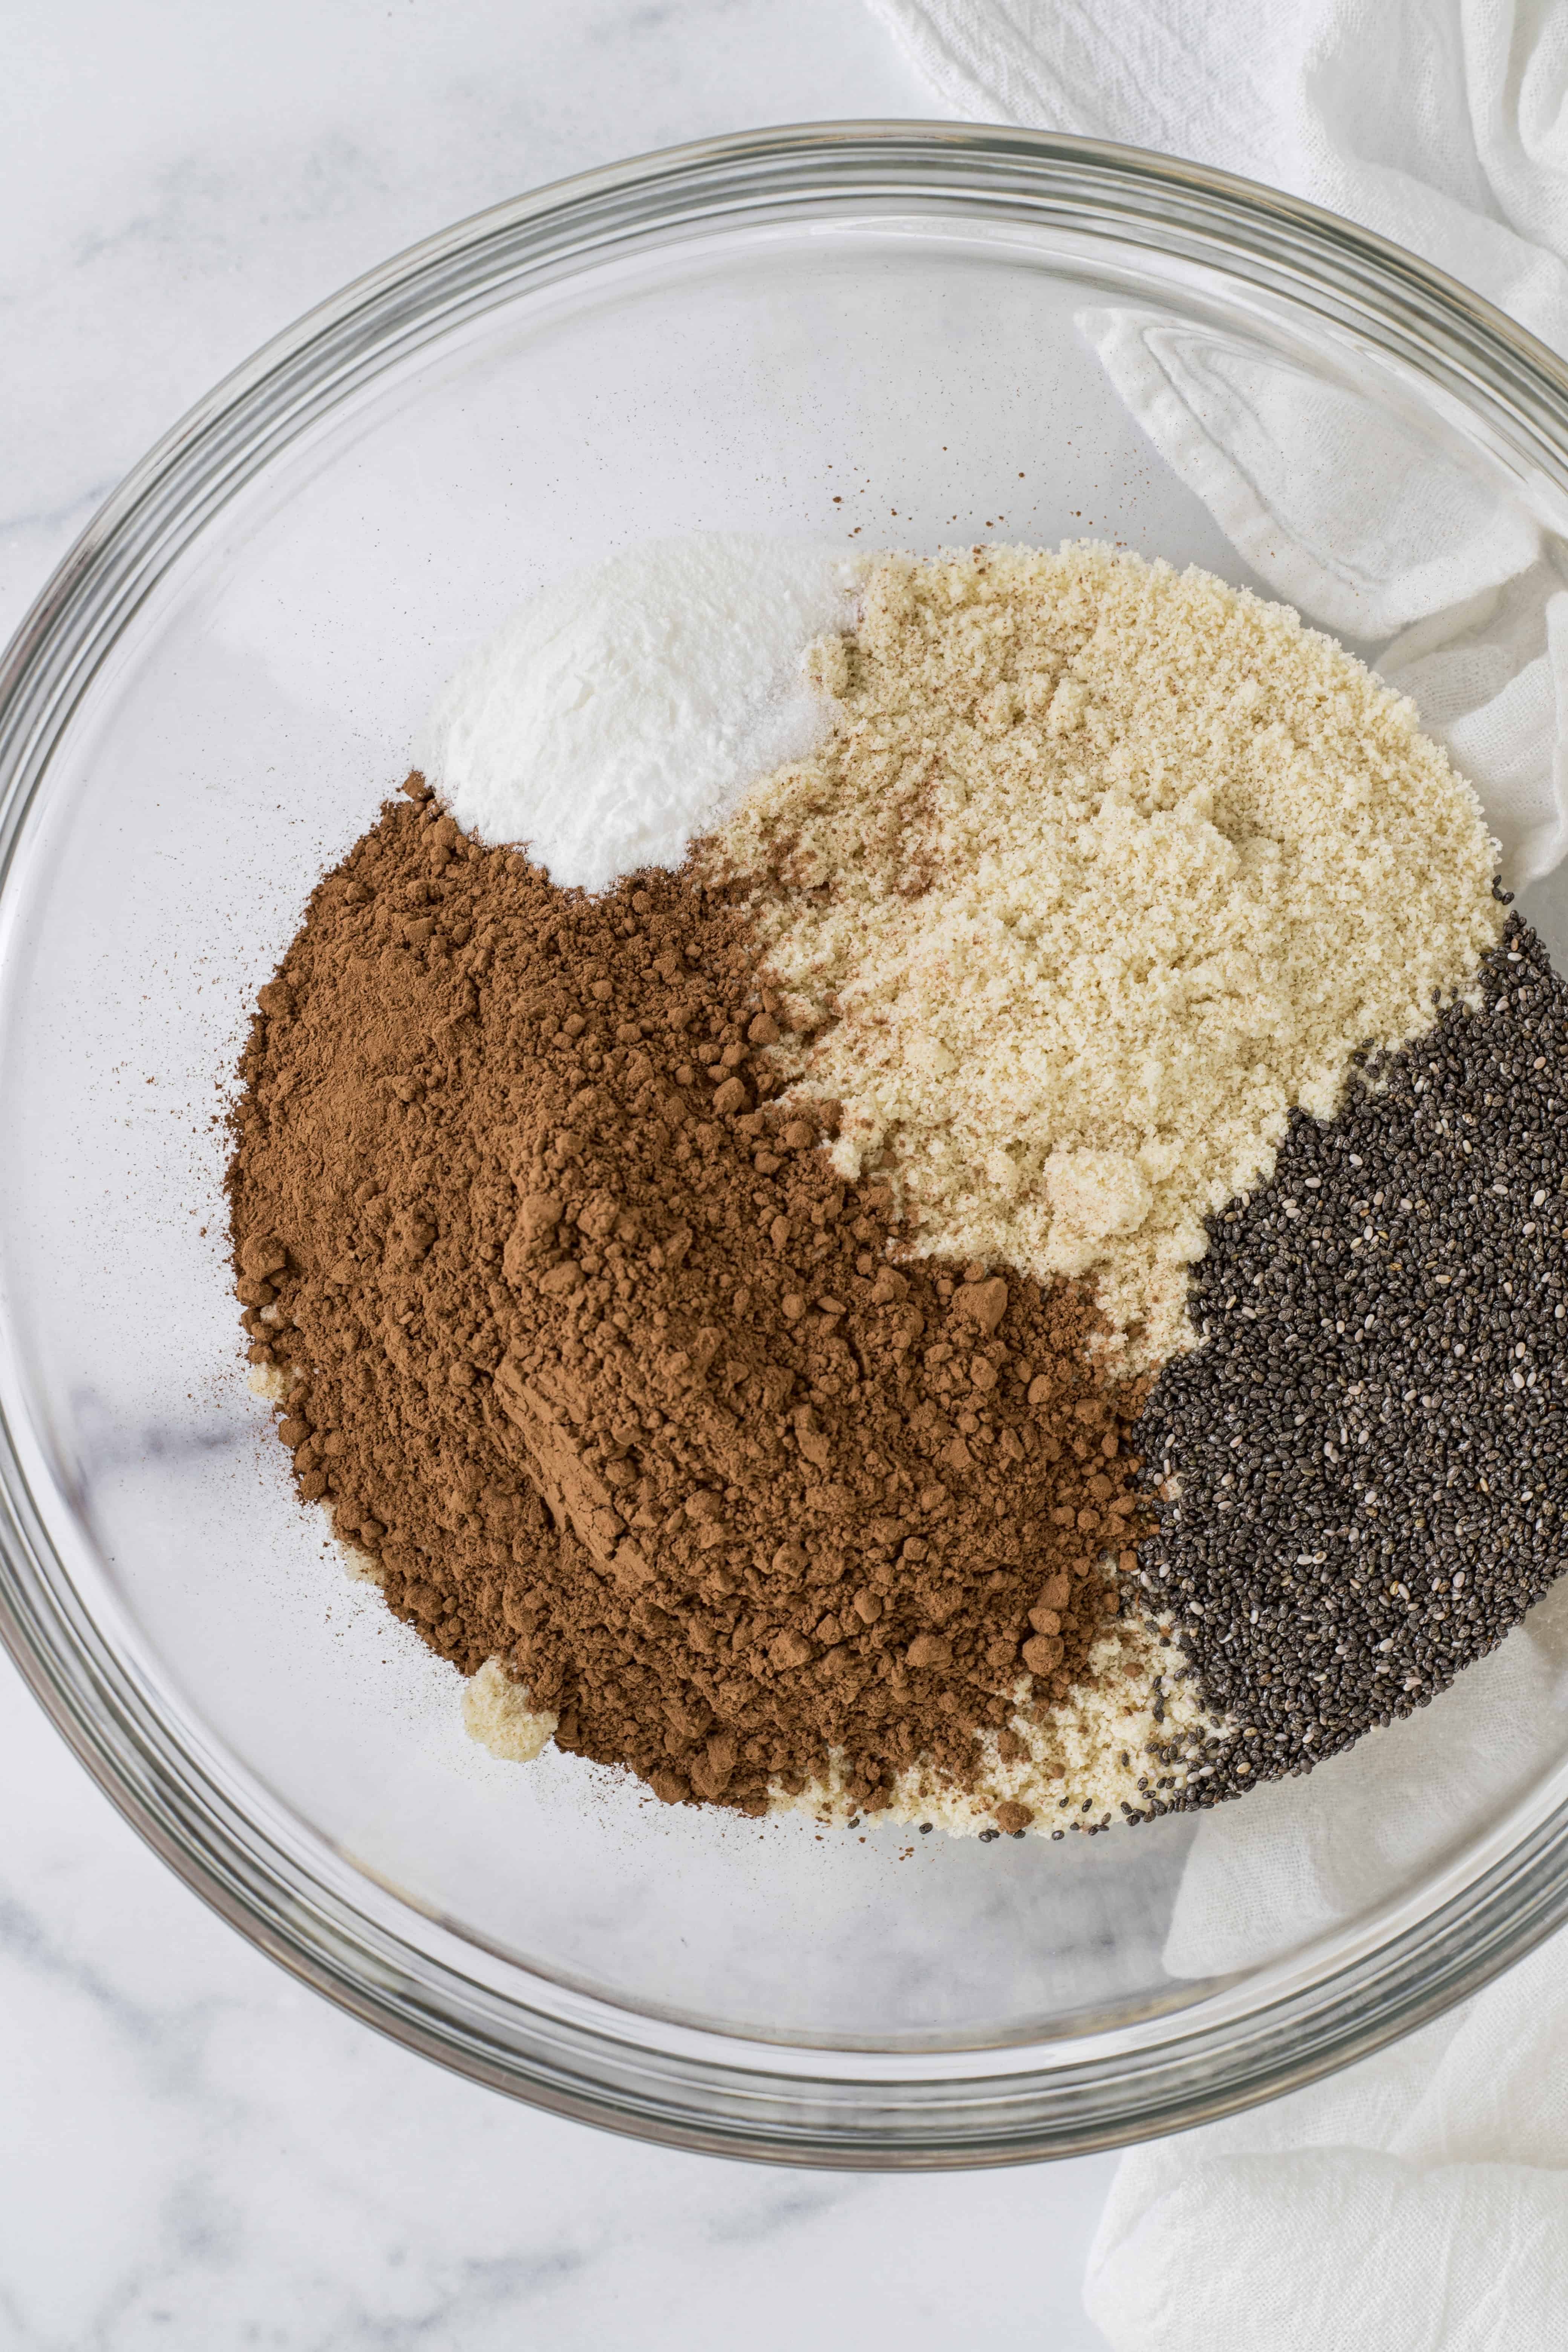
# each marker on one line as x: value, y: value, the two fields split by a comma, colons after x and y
x: 1364, y: 1468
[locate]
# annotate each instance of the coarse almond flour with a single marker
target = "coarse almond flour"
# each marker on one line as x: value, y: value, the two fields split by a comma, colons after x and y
x: 1103, y: 869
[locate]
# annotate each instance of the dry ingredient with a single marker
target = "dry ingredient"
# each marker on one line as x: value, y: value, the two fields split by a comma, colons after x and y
x: 1368, y: 1454
x: 712, y: 1311
x: 589, y: 1349
x: 619, y: 711
x: 1103, y: 869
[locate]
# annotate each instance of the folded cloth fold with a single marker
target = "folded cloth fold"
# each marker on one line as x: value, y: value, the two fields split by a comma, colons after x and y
x: 1439, y: 123
x: 1300, y: 1858
x: 1296, y: 2248
x: 1418, y: 2201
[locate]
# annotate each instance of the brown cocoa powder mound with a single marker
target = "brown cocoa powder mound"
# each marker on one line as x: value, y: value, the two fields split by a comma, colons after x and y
x: 586, y: 1344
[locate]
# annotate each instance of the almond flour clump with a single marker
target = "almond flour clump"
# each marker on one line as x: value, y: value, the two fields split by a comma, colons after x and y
x: 1103, y: 869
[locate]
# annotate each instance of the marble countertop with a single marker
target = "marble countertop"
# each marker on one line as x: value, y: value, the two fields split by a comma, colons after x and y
x: 194, y: 2151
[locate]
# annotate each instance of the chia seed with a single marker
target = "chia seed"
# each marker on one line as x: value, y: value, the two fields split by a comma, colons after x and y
x: 1361, y: 1472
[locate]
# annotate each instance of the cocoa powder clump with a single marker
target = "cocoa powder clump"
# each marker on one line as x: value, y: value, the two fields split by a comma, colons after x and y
x: 588, y: 1348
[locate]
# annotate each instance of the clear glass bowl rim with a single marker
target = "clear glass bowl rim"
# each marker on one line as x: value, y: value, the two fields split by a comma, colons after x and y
x: 575, y: 2056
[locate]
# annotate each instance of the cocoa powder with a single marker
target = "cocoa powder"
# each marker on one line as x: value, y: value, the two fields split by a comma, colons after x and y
x: 586, y: 1345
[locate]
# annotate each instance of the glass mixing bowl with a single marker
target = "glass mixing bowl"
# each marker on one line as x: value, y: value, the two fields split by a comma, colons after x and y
x: 868, y: 331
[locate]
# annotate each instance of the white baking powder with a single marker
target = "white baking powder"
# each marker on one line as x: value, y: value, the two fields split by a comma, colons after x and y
x: 622, y: 711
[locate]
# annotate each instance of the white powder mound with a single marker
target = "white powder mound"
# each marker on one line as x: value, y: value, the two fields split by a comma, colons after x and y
x: 620, y: 713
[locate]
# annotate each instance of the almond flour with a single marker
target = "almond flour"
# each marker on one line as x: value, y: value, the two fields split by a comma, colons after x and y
x: 1103, y: 870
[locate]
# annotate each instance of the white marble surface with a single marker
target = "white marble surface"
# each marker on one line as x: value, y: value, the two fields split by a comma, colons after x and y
x: 194, y: 2151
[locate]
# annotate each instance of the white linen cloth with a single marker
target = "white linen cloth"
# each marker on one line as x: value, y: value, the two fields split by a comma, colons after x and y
x: 1443, y: 125
x: 1418, y: 2201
